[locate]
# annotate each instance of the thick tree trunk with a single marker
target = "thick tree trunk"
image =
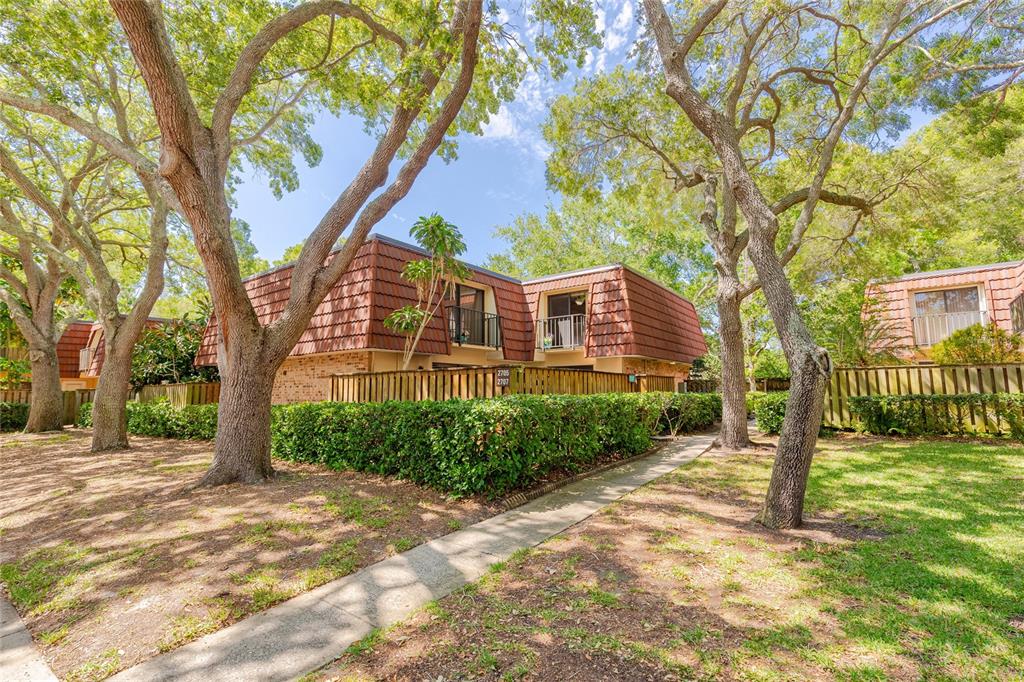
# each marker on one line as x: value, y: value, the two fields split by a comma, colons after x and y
x: 733, y: 432
x: 242, y: 448
x: 784, y: 503
x: 46, y: 409
x: 809, y: 367
x: 109, y: 420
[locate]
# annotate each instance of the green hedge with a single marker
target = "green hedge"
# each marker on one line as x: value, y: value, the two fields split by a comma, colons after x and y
x: 751, y: 399
x: 483, y: 446
x: 769, y: 410
x: 159, y: 418
x: 920, y: 415
x: 13, y: 416
x: 461, y: 447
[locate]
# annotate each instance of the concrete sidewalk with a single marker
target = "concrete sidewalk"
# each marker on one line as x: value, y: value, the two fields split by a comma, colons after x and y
x: 19, y: 659
x: 312, y: 629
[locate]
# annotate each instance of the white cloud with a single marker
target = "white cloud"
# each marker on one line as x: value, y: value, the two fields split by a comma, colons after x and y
x: 521, y: 129
x: 625, y: 18
x: 621, y: 28
x: 501, y: 126
x: 615, y: 36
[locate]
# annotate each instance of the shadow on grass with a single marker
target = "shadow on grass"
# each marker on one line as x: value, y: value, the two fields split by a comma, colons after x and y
x: 946, y: 581
x: 914, y: 553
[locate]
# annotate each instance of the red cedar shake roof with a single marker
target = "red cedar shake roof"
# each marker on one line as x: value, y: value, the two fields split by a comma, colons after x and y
x: 73, y: 340
x: 629, y: 314
x: 1000, y: 283
x: 352, y: 315
x: 99, y: 346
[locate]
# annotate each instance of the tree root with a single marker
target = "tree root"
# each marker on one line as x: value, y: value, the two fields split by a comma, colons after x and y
x: 218, y: 475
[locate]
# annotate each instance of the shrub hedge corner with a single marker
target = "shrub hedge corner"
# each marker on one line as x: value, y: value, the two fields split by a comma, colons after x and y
x: 491, y: 446
x: 13, y: 416
x: 769, y: 410
x: 751, y: 398
x: 161, y: 419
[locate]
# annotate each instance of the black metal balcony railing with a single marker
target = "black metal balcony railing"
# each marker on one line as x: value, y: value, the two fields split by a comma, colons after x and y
x: 1017, y: 314
x: 467, y: 326
x: 565, y: 331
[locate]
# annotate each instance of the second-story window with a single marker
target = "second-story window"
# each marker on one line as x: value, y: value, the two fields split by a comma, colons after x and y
x: 560, y: 305
x: 937, y: 314
x: 467, y: 297
x: 468, y: 323
x: 947, y: 301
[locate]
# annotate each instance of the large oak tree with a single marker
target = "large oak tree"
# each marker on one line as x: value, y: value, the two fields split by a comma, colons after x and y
x: 415, y: 73
x: 412, y: 69
x: 617, y: 134
x: 826, y: 72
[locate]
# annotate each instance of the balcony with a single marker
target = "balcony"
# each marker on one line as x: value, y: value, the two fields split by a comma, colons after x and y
x: 84, y: 359
x: 563, y: 332
x: 930, y: 329
x: 471, y: 327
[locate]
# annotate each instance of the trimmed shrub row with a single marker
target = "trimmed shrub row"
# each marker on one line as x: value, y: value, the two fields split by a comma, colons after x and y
x: 921, y: 415
x: 13, y: 416
x: 769, y: 410
x: 162, y: 420
x: 461, y: 447
x: 751, y: 398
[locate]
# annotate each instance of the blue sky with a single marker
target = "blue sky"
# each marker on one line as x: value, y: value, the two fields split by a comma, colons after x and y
x: 497, y: 176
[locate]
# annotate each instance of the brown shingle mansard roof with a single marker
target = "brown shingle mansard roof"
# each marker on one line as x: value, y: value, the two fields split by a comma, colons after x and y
x: 72, y: 341
x: 630, y: 315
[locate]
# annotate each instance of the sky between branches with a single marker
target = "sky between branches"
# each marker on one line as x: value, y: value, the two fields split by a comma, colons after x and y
x: 497, y: 176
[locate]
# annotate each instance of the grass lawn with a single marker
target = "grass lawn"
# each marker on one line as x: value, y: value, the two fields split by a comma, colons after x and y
x: 110, y: 560
x: 911, y: 567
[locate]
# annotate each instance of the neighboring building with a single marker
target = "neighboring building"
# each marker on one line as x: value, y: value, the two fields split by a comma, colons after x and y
x: 924, y: 308
x: 606, y: 319
x: 80, y: 352
x: 72, y: 343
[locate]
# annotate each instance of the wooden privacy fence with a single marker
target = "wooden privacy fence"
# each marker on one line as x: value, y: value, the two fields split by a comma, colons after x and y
x: 73, y: 401
x: 486, y: 382
x: 698, y: 386
x: 915, y: 380
x: 15, y: 395
x: 711, y: 385
x: 773, y: 384
x: 181, y: 395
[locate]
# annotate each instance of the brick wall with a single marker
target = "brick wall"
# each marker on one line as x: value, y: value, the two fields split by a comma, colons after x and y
x: 676, y: 370
x: 308, y: 377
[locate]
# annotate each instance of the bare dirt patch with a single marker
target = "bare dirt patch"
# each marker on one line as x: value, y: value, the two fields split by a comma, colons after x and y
x: 110, y: 559
x: 674, y: 581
